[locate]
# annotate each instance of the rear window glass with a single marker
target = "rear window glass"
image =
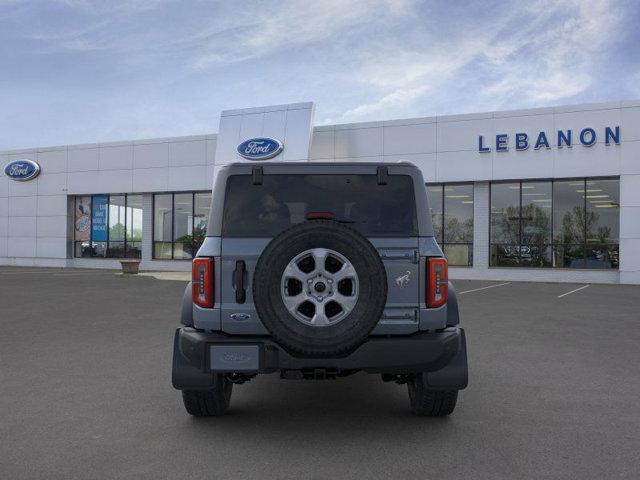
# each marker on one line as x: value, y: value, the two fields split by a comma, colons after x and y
x: 284, y: 200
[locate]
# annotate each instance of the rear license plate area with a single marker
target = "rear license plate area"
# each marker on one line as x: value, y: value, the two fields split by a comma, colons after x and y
x: 234, y: 358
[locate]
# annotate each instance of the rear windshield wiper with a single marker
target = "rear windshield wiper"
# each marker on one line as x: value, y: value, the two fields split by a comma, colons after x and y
x: 326, y: 216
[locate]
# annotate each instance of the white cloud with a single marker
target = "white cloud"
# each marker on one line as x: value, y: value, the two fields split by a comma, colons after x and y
x: 544, y: 52
x: 126, y: 69
x: 397, y: 98
x: 112, y: 6
x: 405, y: 76
x: 288, y: 24
x: 556, y: 63
x: 633, y: 84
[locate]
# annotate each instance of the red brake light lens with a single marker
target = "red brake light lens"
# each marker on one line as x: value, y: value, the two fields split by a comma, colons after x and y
x: 320, y: 216
x: 202, y: 282
x: 437, y: 282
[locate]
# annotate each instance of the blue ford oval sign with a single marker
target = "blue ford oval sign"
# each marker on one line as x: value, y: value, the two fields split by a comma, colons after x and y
x: 22, y: 170
x: 260, y: 148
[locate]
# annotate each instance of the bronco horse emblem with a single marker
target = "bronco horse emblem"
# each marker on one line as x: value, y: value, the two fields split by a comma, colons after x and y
x: 403, y: 280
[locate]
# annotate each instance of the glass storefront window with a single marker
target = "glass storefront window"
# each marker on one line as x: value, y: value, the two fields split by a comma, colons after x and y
x: 108, y: 226
x: 505, y: 224
x: 183, y: 225
x: 434, y: 193
x: 569, y: 223
x: 82, y: 226
x: 603, y: 211
x: 535, y: 219
x: 568, y: 212
x: 134, y: 226
x: 201, y: 206
x: 603, y: 223
x: 564, y: 223
x: 451, y: 208
x: 162, y: 225
x: 117, y: 220
x: 458, y: 224
x: 180, y: 222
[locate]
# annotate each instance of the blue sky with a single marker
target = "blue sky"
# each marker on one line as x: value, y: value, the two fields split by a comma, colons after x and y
x: 76, y: 71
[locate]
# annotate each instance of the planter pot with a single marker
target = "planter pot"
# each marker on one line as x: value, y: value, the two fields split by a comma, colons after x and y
x: 130, y: 266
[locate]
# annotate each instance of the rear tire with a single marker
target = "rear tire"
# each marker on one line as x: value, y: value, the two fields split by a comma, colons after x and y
x: 209, y: 403
x: 430, y: 403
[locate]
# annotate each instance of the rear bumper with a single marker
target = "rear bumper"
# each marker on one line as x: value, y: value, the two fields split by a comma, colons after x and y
x: 443, y: 354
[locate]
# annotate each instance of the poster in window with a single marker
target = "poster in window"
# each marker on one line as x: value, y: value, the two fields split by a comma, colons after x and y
x: 99, y: 218
x: 83, y: 219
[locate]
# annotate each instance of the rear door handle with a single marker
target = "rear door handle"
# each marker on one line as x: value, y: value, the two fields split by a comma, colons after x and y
x: 238, y: 281
x: 412, y: 255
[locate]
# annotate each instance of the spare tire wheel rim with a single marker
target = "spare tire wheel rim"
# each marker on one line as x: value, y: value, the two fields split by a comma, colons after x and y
x: 319, y: 287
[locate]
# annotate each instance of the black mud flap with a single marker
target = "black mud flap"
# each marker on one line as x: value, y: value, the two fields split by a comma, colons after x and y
x: 185, y: 376
x: 455, y: 375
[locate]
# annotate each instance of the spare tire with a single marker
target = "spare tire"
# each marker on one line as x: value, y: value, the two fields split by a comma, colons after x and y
x: 320, y: 288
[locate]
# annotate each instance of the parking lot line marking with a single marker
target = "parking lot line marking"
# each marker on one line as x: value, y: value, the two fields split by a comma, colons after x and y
x: 44, y: 273
x: 69, y: 274
x: 484, y: 288
x: 573, y: 291
x: 34, y: 272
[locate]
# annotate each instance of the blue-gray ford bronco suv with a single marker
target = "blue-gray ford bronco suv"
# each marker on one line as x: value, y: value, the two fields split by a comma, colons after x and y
x: 319, y: 270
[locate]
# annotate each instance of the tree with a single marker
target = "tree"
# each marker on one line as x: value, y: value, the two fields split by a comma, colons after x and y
x: 526, y: 234
x: 116, y: 232
x: 577, y: 222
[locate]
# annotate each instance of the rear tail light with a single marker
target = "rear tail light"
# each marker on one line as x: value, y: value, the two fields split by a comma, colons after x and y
x: 320, y: 216
x: 437, y: 282
x: 202, y: 282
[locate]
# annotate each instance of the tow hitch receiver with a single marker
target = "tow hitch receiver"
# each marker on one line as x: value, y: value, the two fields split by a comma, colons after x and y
x: 310, y: 374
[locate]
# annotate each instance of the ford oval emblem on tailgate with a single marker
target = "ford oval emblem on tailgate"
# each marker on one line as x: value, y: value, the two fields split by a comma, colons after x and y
x: 240, y: 316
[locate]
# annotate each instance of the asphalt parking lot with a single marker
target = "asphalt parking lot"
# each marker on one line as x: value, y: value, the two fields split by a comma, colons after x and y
x: 85, y: 359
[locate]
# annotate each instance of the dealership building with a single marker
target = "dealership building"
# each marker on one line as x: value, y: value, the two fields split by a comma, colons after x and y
x: 547, y: 194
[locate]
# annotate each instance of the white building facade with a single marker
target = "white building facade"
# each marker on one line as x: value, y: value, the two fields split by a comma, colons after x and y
x: 550, y: 194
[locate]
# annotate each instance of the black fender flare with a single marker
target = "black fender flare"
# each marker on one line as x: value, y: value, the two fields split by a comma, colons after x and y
x: 453, y: 314
x: 186, y: 312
